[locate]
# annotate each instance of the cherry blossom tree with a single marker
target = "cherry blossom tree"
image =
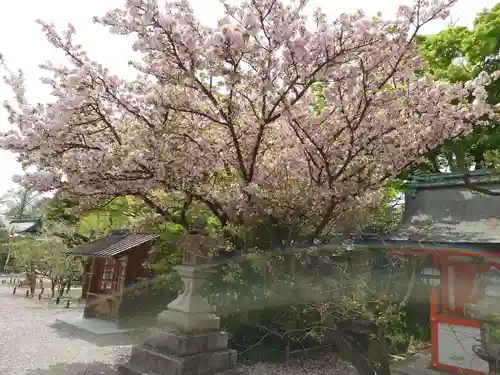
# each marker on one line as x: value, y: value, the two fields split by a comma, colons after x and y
x: 221, y: 116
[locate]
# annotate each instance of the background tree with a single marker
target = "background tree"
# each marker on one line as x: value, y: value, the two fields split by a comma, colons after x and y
x: 458, y: 54
x: 4, y: 248
x: 43, y: 257
x: 20, y: 203
x: 29, y: 253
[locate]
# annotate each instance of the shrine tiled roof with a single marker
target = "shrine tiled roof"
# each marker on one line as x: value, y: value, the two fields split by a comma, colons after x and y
x: 443, y: 209
x: 31, y: 226
x: 112, y: 245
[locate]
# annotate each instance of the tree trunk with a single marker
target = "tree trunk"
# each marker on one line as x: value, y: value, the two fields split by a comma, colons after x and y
x: 32, y: 279
x: 363, y: 343
x: 351, y: 350
x: 53, y: 287
x: 380, y: 352
x: 62, y: 286
x: 84, y: 281
x: 68, y: 287
x: 7, y: 260
x: 85, y: 277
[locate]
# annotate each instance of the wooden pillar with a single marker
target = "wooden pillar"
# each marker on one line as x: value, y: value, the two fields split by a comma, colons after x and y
x: 86, y: 277
x: 129, y: 270
x: 116, y: 273
x: 96, y: 275
x: 434, y: 312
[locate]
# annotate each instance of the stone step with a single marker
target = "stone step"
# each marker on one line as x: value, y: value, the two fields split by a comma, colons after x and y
x: 151, y: 361
x: 178, y: 344
x: 127, y: 369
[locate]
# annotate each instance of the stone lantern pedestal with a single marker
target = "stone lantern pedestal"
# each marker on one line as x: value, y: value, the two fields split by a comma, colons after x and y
x: 489, y: 348
x: 188, y: 340
x: 487, y: 309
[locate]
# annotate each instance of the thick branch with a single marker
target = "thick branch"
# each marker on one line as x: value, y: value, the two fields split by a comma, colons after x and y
x: 161, y: 211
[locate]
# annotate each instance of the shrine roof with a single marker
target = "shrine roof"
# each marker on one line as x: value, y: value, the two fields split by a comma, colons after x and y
x: 441, y: 208
x: 28, y: 226
x: 114, y: 244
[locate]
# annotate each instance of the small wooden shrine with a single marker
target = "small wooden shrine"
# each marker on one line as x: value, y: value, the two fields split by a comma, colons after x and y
x: 458, y: 230
x: 116, y: 266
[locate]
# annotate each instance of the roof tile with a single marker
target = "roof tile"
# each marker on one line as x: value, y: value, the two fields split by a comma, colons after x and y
x: 451, y: 214
x: 112, y: 245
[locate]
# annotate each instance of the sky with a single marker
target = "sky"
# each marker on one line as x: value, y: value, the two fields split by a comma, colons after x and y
x: 23, y: 45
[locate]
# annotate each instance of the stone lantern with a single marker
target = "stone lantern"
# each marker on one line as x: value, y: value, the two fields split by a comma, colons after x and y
x: 487, y: 310
x: 188, y: 340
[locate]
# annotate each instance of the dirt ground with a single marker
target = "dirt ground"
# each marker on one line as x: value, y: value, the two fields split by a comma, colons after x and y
x: 29, y: 345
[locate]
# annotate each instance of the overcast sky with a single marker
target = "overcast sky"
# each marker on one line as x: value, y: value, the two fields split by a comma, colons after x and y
x: 24, y: 46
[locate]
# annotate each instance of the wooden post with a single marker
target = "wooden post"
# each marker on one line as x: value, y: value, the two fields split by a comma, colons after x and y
x: 87, y: 269
x: 121, y: 274
x: 90, y: 282
x: 287, y: 354
x: 434, y: 312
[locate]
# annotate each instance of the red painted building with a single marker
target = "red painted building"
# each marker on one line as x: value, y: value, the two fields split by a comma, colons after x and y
x: 458, y: 230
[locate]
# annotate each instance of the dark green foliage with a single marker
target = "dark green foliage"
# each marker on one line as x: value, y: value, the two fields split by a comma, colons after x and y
x: 458, y: 54
x: 269, y: 305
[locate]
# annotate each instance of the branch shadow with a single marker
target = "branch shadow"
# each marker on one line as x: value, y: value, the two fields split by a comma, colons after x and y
x: 96, y: 368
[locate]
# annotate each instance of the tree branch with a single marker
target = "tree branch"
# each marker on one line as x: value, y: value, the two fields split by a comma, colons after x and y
x: 160, y: 210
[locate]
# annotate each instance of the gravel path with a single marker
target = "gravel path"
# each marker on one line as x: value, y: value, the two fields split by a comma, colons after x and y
x: 328, y: 365
x: 29, y: 346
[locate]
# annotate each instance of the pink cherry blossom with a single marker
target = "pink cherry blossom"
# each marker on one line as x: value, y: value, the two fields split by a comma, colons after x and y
x: 222, y: 115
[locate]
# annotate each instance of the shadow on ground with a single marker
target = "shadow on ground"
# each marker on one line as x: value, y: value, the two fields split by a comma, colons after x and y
x: 99, y: 340
x: 97, y: 368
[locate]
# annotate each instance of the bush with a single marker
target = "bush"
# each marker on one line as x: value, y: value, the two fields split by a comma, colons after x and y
x: 263, y: 319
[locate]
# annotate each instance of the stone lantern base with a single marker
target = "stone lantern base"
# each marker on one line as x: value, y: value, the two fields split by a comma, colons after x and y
x: 188, y: 340
x: 174, y: 353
